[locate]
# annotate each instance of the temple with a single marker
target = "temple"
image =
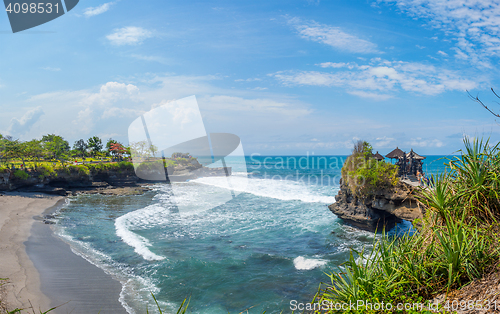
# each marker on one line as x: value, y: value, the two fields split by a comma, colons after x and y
x: 409, y: 163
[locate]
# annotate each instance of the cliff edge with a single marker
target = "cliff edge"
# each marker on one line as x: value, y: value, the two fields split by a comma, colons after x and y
x: 385, y: 206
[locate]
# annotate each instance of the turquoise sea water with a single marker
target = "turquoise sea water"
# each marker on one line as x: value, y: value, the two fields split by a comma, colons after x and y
x: 266, y: 246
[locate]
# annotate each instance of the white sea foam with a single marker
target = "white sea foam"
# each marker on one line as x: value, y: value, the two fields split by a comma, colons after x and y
x: 139, y: 243
x: 285, y: 190
x: 302, y: 263
x: 131, y: 284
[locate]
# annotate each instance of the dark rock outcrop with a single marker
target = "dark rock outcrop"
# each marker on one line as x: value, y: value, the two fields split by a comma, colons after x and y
x: 384, y: 208
x: 105, y: 181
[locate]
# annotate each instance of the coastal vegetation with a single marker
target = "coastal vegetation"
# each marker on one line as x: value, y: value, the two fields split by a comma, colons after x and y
x: 457, y: 244
x: 364, y: 174
x: 52, y: 157
x: 53, y: 149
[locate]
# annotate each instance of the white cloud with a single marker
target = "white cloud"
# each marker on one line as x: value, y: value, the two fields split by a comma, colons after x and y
x: 130, y: 35
x: 113, y: 100
x: 444, y: 54
x: 266, y: 122
x: 248, y: 80
x: 374, y: 96
x: 112, y: 92
x: 92, y: 11
x: 151, y: 58
x: 111, y: 107
x: 51, y: 69
x: 383, y: 142
x: 474, y: 24
x: 258, y: 107
x: 419, y: 142
x: 349, y: 65
x: 85, y: 121
x: 332, y: 36
x: 382, y: 76
x: 20, y: 126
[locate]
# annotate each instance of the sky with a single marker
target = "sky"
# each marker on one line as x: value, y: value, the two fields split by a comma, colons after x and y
x: 288, y: 77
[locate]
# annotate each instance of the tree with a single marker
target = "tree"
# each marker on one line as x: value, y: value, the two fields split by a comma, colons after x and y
x: 15, y: 149
x: 108, y: 145
x: 95, y: 145
x: 142, y: 150
x: 56, y: 147
x: 80, y: 146
x: 476, y: 99
x: 34, y: 149
x: 117, y: 150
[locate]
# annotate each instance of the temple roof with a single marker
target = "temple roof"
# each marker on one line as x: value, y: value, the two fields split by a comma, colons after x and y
x: 397, y: 153
x: 414, y: 155
x: 378, y: 156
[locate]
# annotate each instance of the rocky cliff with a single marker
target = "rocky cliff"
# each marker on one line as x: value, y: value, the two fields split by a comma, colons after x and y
x: 62, y: 181
x: 385, y: 207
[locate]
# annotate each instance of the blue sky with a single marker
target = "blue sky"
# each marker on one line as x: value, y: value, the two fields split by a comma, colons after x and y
x: 288, y: 77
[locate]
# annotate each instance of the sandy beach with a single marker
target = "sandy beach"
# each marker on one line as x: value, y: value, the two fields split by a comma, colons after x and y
x: 16, y: 219
x: 42, y: 270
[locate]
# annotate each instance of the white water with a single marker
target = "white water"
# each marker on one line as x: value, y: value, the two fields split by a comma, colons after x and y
x: 140, y: 244
x: 285, y: 190
x: 302, y: 263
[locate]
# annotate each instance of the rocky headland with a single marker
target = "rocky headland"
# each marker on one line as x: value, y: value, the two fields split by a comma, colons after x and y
x: 384, y: 207
x: 103, y: 178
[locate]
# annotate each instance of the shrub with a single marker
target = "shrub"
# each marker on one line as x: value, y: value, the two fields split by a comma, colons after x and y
x: 471, y: 186
x: 363, y: 174
x: 80, y: 169
x: 21, y: 174
x: 150, y: 165
x: 125, y: 166
x: 181, y: 160
x: 169, y: 163
x: 46, y: 171
x: 99, y: 168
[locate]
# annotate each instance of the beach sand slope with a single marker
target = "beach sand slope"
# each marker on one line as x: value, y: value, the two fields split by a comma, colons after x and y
x: 16, y: 219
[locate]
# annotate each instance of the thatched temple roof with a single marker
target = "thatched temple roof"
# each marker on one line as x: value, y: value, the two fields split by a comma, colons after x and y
x: 414, y: 155
x: 397, y: 153
x: 378, y: 156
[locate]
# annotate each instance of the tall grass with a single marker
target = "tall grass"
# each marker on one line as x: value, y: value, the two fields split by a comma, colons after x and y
x: 457, y: 243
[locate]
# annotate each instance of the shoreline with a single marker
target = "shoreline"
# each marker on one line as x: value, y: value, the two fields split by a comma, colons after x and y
x: 23, y: 287
x: 53, y: 274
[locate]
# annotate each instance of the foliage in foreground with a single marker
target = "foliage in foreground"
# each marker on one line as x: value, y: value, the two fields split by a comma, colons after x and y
x: 458, y: 243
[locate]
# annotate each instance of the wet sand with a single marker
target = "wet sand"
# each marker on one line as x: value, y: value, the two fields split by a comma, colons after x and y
x: 42, y: 269
x: 16, y: 219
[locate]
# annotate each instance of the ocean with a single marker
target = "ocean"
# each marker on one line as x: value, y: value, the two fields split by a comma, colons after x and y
x: 269, y: 244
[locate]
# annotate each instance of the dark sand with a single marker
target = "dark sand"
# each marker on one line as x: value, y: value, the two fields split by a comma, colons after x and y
x: 68, y: 280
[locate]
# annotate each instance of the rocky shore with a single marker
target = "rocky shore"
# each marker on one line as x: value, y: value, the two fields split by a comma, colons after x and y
x: 122, y: 181
x: 384, y: 208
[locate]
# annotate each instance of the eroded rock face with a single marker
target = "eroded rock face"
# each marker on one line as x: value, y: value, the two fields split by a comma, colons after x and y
x: 5, y: 182
x: 385, y: 207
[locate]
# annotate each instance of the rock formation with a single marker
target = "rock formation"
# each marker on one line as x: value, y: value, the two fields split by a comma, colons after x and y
x: 385, y: 207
